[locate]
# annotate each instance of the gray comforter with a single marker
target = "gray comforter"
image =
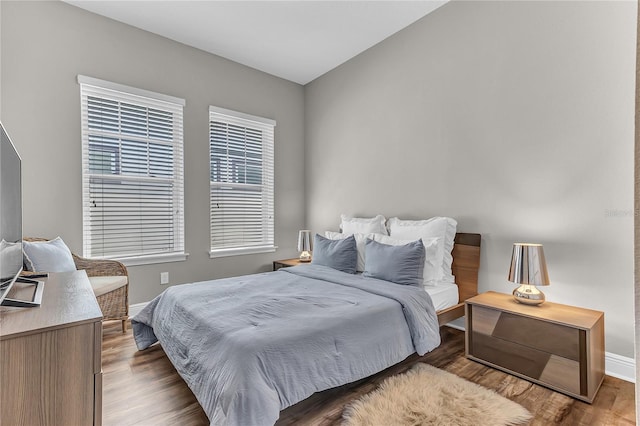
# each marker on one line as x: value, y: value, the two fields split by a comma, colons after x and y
x: 250, y: 346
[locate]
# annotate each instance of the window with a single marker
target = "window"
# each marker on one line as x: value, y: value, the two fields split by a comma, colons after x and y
x: 132, y: 173
x: 241, y: 182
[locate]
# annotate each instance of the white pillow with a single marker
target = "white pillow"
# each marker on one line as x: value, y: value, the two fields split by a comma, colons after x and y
x: 48, y: 256
x: 361, y: 239
x: 432, y: 264
x: 364, y: 225
x: 436, y: 227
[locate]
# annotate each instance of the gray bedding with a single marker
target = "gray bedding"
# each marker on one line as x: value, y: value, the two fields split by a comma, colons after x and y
x: 250, y: 346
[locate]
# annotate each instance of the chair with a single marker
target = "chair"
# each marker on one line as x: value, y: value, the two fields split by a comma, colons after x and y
x: 110, y: 282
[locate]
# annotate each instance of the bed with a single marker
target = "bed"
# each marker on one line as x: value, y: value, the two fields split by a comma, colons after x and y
x: 466, y: 263
x: 251, y: 346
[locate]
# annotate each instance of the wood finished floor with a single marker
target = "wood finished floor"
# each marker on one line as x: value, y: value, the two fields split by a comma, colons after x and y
x: 143, y: 388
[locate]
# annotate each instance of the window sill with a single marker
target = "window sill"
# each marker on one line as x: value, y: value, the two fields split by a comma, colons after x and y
x: 149, y: 260
x: 241, y: 251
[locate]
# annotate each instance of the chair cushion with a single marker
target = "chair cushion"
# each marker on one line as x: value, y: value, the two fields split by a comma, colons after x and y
x: 104, y: 285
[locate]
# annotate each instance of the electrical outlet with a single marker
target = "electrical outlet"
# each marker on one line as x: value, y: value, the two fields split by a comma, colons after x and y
x: 164, y: 278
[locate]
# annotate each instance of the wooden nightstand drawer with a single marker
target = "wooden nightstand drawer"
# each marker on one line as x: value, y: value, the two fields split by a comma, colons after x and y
x: 558, y: 346
x: 533, y: 333
x: 530, y: 362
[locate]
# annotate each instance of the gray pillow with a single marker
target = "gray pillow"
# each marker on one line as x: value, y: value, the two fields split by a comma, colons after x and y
x: 399, y: 264
x: 337, y: 254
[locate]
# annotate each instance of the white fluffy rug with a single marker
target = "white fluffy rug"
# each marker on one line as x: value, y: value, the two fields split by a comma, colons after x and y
x: 426, y: 395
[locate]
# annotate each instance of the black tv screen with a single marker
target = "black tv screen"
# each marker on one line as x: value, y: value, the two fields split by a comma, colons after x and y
x: 10, y: 214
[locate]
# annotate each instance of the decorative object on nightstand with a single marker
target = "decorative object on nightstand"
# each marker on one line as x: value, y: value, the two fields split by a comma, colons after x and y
x: 557, y: 346
x: 529, y: 269
x: 304, y: 245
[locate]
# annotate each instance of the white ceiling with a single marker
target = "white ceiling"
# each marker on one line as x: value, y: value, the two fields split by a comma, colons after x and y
x: 295, y: 40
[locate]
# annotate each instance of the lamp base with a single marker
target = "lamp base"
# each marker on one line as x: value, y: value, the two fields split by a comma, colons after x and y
x: 529, y: 295
x: 305, y: 256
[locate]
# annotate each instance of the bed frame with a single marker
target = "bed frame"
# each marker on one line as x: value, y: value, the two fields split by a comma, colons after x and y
x: 466, y: 263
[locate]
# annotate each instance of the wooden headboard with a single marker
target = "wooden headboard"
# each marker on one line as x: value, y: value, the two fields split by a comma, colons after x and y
x: 466, y: 263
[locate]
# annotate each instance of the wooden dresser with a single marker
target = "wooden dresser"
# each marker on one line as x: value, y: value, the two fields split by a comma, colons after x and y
x: 50, y: 356
x: 557, y: 346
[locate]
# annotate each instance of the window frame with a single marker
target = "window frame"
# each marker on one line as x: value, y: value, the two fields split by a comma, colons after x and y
x: 106, y: 90
x: 230, y: 117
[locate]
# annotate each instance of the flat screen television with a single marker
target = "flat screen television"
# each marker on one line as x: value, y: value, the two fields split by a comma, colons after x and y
x: 10, y: 214
x: 11, y: 224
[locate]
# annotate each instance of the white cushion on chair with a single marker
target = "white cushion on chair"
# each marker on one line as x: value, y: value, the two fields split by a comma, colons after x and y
x: 103, y: 285
x: 48, y: 256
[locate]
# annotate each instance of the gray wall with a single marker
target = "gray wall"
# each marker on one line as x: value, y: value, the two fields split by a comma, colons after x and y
x: 45, y: 45
x: 515, y: 118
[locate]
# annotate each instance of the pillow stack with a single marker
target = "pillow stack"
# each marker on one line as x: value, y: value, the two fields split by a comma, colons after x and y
x: 399, y: 253
x: 361, y: 240
x: 441, y: 228
x: 431, y: 265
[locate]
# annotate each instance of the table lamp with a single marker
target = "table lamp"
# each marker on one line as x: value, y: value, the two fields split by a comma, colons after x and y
x: 529, y: 269
x: 304, y: 245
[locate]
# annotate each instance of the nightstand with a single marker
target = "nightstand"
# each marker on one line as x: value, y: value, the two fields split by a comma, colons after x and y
x: 557, y: 346
x: 285, y: 263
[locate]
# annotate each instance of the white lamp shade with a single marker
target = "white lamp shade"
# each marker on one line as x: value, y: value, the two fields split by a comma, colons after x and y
x: 528, y: 265
x: 304, y: 240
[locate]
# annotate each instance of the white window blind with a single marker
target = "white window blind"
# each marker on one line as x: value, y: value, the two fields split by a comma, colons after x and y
x: 241, y: 183
x: 132, y: 166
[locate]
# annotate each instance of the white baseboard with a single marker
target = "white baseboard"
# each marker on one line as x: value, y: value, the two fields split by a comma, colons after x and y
x: 136, y: 308
x: 615, y: 365
x: 620, y: 366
